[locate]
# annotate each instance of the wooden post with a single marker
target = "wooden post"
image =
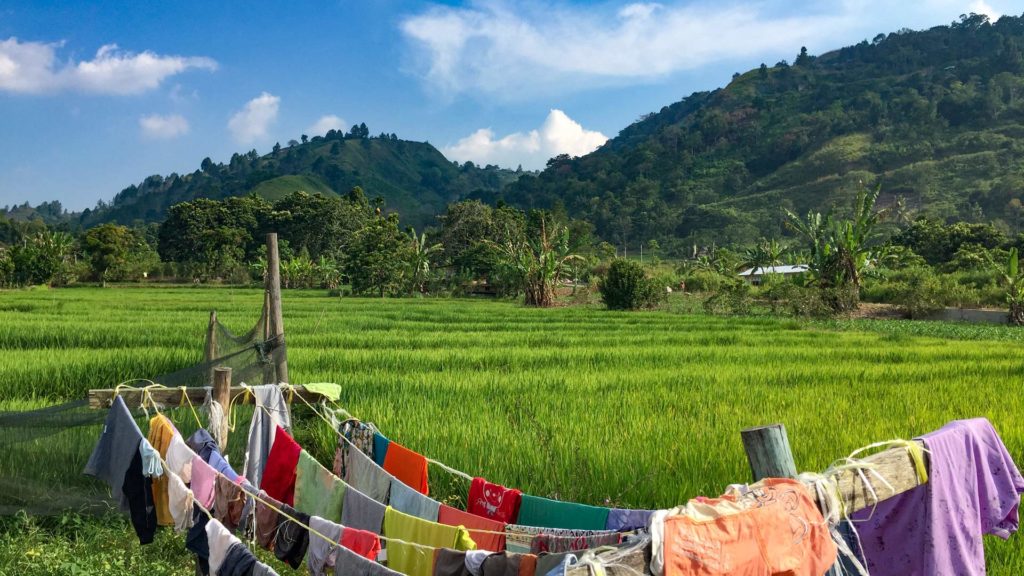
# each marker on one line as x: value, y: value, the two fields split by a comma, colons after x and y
x: 274, y: 295
x: 768, y: 452
x: 211, y: 342
x: 222, y: 394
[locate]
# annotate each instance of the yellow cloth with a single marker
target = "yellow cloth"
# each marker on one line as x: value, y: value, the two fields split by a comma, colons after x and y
x: 161, y: 431
x: 415, y: 560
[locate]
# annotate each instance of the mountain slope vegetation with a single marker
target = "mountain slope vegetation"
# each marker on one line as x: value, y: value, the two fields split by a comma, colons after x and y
x: 935, y: 117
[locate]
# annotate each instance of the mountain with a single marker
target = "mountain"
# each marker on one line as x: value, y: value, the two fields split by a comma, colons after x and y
x: 935, y: 117
x: 413, y: 178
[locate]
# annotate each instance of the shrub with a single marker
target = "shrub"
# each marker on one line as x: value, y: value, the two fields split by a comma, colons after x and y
x: 919, y: 292
x: 704, y: 281
x: 733, y: 299
x: 626, y: 287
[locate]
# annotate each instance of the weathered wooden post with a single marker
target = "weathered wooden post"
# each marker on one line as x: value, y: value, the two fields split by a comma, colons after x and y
x: 222, y: 395
x: 274, y: 294
x: 768, y: 452
x: 210, y: 354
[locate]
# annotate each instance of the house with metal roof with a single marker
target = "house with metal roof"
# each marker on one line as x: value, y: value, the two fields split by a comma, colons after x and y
x: 755, y: 275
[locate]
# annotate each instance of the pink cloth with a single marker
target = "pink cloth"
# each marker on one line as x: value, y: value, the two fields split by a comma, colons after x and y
x: 203, y: 479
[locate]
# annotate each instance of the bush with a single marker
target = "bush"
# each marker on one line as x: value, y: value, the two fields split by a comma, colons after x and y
x: 704, y: 281
x: 626, y: 287
x: 733, y: 299
x: 919, y: 293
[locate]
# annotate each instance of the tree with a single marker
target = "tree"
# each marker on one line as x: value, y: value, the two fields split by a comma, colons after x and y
x: 765, y: 254
x: 304, y: 138
x: 376, y: 260
x: 277, y: 148
x: 627, y: 287
x: 420, y: 256
x: 537, y: 262
x: 293, y: 143
x: 108, y: 246
x: 1013, y: 281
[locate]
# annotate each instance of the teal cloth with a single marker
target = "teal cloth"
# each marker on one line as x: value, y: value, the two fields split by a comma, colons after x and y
x: 537, y: 511
x: 318, y: 492
x: 380, y: 448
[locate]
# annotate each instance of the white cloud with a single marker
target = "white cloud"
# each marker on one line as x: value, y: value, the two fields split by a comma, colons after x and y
x: 983, y: 7
x: 515, y: 51
x: 250, y: 124
x: 163, y: 127
x: 558, y: 135
x: 33, y: 68
x: 326, y: 124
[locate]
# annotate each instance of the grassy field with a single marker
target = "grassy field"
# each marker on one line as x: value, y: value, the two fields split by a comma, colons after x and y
x: 632, y: 409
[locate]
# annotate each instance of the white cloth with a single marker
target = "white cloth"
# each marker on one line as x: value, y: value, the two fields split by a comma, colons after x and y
x: 151, y: 465
x: 475, y: 561
x: 179, y: 458
x: 179, y: 500
x: 220, y: 539
x: 262, y: 428
x: 657, y: 529
x: 321, y: 556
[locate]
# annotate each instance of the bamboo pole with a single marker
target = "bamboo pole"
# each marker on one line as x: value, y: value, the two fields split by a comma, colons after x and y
x: 222, y: 395
x: 274, y: 295
x: 210, y: 353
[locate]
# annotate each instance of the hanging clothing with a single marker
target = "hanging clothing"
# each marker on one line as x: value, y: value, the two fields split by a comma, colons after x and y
x: 220, y: 464
x: 262, y: 429
x: 364, y: 475
x: 292, y: 539
x: 534, y: 539
x: 774, y: 528
x: 321, y: 556
x: 239, y: 561
x: 161, y: 432
x: 196, y: 542
x: 417, y: 560
x: 267, y: 520
x: 279, y: 474
x: 410, y: 501
x: 973, y: 489
x: 475, y: 561
x: 204, y: 477
x: 488, y: 534
x: 450, y: 563
x: 117, y: 460
x: 179, y: 502
x: 493, y: 501
x: 203, y: 444
x: 151, y: 465
x: 349, y: 563
x: 553, y: 563
x: 527, y: 565
x: 380, y: 448
x: 409, y: 467
x: 362, y: 542
x: 261, y: 569
x: 501, y: 564
x: 219, y: 539
x: 537, y: 511
x: 362, y: 512
x: 179, y: 458
x: 623, y: 520
x: 317, y: 491
x: 228, y: 501
x: 360, y: 435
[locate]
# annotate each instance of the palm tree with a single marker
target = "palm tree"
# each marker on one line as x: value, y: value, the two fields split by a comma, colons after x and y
x: 765, y: 254
x: 1011, y: 277
x: 419, y: 259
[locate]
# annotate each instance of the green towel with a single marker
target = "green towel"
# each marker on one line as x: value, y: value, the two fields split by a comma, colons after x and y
x: 537, y: 511
x: 414, y: 560
x: 317, y: 491
x: 329, y: 390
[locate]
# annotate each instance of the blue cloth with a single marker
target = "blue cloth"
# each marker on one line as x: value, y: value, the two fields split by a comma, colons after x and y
x: 620, y: 519
x: 203, y: 444
x: 409, y: 501
x: 380, y: 448
x: 218, y: 463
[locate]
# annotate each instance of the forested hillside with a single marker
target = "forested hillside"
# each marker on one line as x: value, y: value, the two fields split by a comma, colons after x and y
x: 935, y: 117
x: 413, y: 178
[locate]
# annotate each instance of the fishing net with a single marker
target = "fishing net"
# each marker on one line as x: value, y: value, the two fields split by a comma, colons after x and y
x: 43, y: 451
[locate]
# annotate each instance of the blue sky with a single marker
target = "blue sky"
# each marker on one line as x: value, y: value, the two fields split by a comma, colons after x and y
x: 97, y: 96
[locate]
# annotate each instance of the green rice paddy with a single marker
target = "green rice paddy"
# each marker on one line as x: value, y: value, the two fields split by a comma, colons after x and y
x: 628, y: 409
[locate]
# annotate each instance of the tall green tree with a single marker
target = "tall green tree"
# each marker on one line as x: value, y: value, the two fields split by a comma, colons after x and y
x: 421, y: 256
x: 108, y: 247
x: 376, y: 260
x: 536, y: 262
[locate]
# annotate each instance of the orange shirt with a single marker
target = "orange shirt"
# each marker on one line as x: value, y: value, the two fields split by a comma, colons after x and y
x: 160, y: 433
x: 407, y: 466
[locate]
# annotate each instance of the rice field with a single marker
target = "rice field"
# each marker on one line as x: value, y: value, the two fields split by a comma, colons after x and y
x: 631, y: 409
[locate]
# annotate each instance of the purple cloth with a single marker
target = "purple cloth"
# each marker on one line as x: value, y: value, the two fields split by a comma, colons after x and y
x: 620, y: 519
x: 936, y: 529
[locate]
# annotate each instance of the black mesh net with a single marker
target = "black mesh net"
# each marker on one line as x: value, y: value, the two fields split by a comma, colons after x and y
x: 43, y: 452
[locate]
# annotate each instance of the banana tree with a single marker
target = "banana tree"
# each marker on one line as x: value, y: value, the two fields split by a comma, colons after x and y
x: 1014, y: 281
x: 536, y: 263
x: 419, y: 259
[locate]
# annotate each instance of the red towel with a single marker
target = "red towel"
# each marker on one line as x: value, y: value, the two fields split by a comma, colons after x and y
x: 473, y: 523
x: 494, y: 501
x: 407, y: 466
x: 362, y: 542
x: 279, y: 474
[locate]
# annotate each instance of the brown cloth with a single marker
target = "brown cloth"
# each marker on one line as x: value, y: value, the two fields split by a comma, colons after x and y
x: 450, y: 563
x: 502, y: 564
x: 228, y: 501
x: 527, y: 565
x: 267, y: 520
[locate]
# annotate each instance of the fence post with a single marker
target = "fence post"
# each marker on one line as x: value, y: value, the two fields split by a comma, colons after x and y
x: 768, y: 452
x: 222, y: 394
x: 276, y: 315
x: 210, y: 354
